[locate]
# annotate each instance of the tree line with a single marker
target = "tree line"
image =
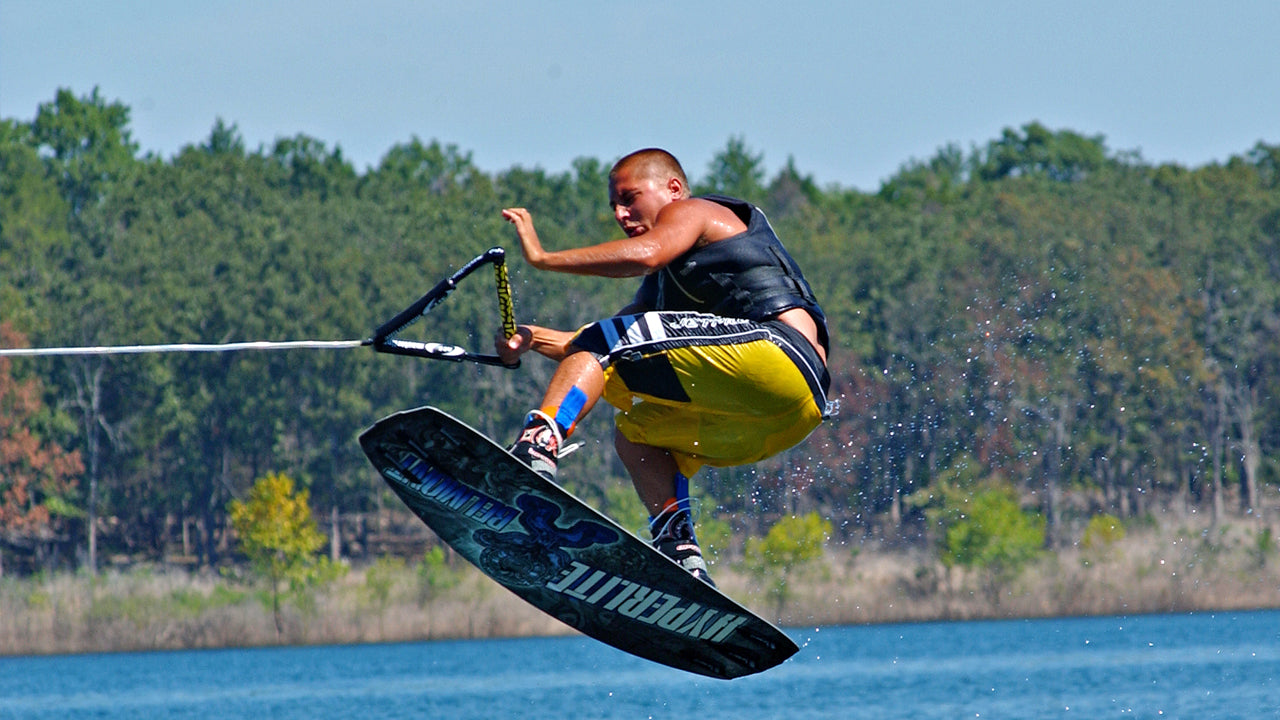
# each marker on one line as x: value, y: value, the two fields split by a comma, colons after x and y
x: 1090, y: 329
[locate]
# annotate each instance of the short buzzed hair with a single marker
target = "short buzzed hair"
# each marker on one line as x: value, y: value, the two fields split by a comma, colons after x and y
x: 652, y: 163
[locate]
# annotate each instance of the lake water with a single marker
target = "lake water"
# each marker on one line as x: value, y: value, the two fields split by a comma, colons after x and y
x: 1199, y: 666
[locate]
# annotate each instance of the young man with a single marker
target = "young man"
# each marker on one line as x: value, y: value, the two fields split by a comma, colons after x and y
x: 720, y: 359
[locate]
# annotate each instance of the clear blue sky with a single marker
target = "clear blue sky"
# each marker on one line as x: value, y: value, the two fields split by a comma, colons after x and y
x: 850, y: 90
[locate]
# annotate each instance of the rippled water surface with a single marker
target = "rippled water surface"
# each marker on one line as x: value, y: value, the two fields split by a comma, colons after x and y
x: 1200, y: 666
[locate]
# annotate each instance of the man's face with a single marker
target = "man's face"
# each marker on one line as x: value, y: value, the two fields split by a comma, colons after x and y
x: 636, y: 198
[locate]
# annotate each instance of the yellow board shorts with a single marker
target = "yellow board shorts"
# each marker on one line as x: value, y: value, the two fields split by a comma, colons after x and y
x: 710, y: 390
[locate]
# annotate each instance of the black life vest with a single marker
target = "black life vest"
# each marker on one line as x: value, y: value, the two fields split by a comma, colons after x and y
x: 749, y: 276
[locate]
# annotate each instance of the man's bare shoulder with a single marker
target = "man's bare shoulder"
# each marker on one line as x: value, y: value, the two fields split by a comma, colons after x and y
x: 714, y: 221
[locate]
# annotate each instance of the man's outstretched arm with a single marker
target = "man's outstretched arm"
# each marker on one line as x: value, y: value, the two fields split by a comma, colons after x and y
x: 680, y: 225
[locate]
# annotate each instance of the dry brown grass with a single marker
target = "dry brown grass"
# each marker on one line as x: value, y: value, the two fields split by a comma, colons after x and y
x: 144, y: 610
x: 1175, y: 567
x: 1178, y: 566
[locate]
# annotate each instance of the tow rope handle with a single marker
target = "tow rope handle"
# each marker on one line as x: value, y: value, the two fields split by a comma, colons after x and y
x: 384, y: 338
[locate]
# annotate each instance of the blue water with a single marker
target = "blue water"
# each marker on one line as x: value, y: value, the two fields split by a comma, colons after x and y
x: 1200, y: 666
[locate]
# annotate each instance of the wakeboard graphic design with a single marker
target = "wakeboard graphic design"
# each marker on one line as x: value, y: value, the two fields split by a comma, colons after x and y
x: 562, y: 556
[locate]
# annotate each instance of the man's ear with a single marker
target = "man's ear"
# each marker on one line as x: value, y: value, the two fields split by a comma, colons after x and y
x: 677, y: 189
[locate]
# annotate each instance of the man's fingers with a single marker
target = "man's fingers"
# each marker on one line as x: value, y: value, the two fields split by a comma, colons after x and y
x: 518, y: 343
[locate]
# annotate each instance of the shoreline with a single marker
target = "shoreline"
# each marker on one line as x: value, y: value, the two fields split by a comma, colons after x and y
x: 1154, y: 570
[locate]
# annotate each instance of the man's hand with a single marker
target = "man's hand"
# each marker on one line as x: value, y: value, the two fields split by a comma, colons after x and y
x: 511, y: 348
x: 530, y: 246
x: 549, y: 343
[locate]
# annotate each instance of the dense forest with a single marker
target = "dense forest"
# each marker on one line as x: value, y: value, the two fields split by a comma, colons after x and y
x: 1097, y: 331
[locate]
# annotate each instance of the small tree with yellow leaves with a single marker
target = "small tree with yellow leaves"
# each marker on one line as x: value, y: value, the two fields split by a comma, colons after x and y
x: 279, y: 535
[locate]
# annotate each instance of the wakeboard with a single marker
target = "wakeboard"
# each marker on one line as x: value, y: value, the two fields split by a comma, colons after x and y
x: 560, y: 555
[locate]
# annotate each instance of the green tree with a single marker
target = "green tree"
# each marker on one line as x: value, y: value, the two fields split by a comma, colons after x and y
x: 279, y: 535
x: 981, y: 526
x: 33, y: 229
x: 736, y: 171
x: 90, y: 142
x: 1062, y: 155
x: 790, y: 547
x: 996, y: 535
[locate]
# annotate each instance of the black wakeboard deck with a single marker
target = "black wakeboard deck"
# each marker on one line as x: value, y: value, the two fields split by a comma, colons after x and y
x: 562, y: 556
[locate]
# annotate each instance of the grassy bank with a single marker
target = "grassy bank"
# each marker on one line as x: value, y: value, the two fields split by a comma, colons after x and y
x: 1171, y: 566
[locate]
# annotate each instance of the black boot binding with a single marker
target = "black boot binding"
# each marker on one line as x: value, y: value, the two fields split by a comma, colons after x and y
x: 673, y: 536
